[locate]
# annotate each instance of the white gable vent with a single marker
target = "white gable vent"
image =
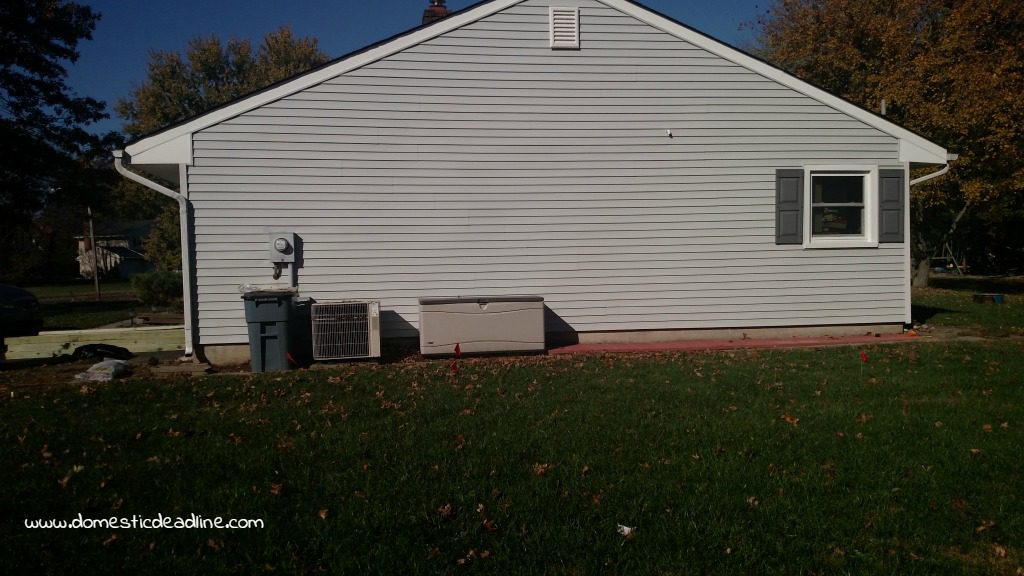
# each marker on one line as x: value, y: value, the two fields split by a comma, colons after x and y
x: 565, y: 28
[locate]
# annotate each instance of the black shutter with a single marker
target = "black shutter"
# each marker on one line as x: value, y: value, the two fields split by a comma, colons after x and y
x: 891, y: 203
x: 789, y: 205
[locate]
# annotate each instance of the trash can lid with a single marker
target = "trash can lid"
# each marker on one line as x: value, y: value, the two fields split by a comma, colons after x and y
x: 268, y: 295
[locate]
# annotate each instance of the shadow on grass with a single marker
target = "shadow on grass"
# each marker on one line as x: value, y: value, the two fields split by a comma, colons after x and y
x: 921, y: 314
x: 1003, y: 284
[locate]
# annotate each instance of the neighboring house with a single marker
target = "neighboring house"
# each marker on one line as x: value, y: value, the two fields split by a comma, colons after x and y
x: 119, y: 250
x: 648, y: 181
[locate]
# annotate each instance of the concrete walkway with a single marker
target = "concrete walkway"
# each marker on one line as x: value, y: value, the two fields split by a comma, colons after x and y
x: 741, y: 344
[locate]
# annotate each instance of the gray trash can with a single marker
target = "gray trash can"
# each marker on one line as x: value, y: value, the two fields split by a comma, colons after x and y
x: 267, y: 314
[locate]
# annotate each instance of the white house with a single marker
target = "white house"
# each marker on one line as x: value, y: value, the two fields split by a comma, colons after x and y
x: 647, y: 180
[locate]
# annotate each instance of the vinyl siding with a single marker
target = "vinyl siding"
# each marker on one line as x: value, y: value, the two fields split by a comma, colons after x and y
x: 483, y: 162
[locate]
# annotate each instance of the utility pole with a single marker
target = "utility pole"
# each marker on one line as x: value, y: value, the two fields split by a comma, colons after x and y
x: 95, y: 255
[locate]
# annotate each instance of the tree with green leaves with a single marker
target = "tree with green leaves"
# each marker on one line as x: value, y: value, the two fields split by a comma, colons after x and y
x: 50, y: 166
x: 209, y: 73
x: 952, y: 70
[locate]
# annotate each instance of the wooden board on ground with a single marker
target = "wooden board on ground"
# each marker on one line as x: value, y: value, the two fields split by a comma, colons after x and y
x: 60, y: 342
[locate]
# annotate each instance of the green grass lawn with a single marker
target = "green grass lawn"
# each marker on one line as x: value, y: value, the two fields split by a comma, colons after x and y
x: 85, y: 314
x: 772, y: 462
x: 948, y: 302
x: 84, y: 290
x: 74, y: 306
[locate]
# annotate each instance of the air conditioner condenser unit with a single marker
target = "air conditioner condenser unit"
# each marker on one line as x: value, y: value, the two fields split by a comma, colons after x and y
x: 346, y: 329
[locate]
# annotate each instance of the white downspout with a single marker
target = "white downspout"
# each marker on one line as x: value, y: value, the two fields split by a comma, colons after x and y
x: 186, y: 254
x: 927, y: 177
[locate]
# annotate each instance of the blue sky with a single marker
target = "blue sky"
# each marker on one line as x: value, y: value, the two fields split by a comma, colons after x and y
x: 115, y: 60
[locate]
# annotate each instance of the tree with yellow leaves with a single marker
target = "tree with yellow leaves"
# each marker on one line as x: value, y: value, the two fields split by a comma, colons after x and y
x: 952, y: 70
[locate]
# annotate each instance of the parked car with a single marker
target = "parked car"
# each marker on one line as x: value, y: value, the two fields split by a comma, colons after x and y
x: 19, y: 312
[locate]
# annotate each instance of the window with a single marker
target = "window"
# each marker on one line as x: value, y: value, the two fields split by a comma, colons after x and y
x: 840, y: 203
x: 837, y: 204
x: 841, y: 206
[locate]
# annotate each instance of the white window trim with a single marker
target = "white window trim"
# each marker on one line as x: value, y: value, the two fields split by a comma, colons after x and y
x: 870, y: 237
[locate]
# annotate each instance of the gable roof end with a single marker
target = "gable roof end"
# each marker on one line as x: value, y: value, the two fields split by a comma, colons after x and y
x: 174, y: 144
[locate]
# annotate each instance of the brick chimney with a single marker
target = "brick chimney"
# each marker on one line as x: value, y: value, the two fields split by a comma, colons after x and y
x: 435, y: 11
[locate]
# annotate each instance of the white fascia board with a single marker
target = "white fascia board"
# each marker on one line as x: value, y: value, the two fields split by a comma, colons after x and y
x: 913, y: 148
x: 167, y: 145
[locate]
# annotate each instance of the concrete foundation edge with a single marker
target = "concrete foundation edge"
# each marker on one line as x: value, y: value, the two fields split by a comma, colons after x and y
x: 647, y: 336
x: 234, y: 354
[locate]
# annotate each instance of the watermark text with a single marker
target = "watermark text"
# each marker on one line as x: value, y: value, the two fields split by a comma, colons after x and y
x: 137, y: 522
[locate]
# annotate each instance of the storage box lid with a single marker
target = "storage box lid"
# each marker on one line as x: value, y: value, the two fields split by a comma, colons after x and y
x: 479, y: 299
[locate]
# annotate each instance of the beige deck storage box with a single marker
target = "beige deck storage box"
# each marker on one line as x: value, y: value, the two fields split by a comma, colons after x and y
x: 481, y: 324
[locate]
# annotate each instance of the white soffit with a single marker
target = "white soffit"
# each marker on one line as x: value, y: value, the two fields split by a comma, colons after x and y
x: 176, y: 150
x: 174, y: 145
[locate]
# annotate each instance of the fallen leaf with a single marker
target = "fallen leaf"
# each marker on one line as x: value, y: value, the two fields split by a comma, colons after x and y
x: 275, y: 489
x: 627, y: 532
x: 541, y: 469
x: 752, y: 501
x: 790, y: 419
x: 863, y: 418
x: 975, y: 451
x: 323, y: 514
x: 985, y: 525
x: 467, y: 558
x: 999, y: 551
x: 986, y: 428
x: 585, y: 470
x: 445, y: 511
